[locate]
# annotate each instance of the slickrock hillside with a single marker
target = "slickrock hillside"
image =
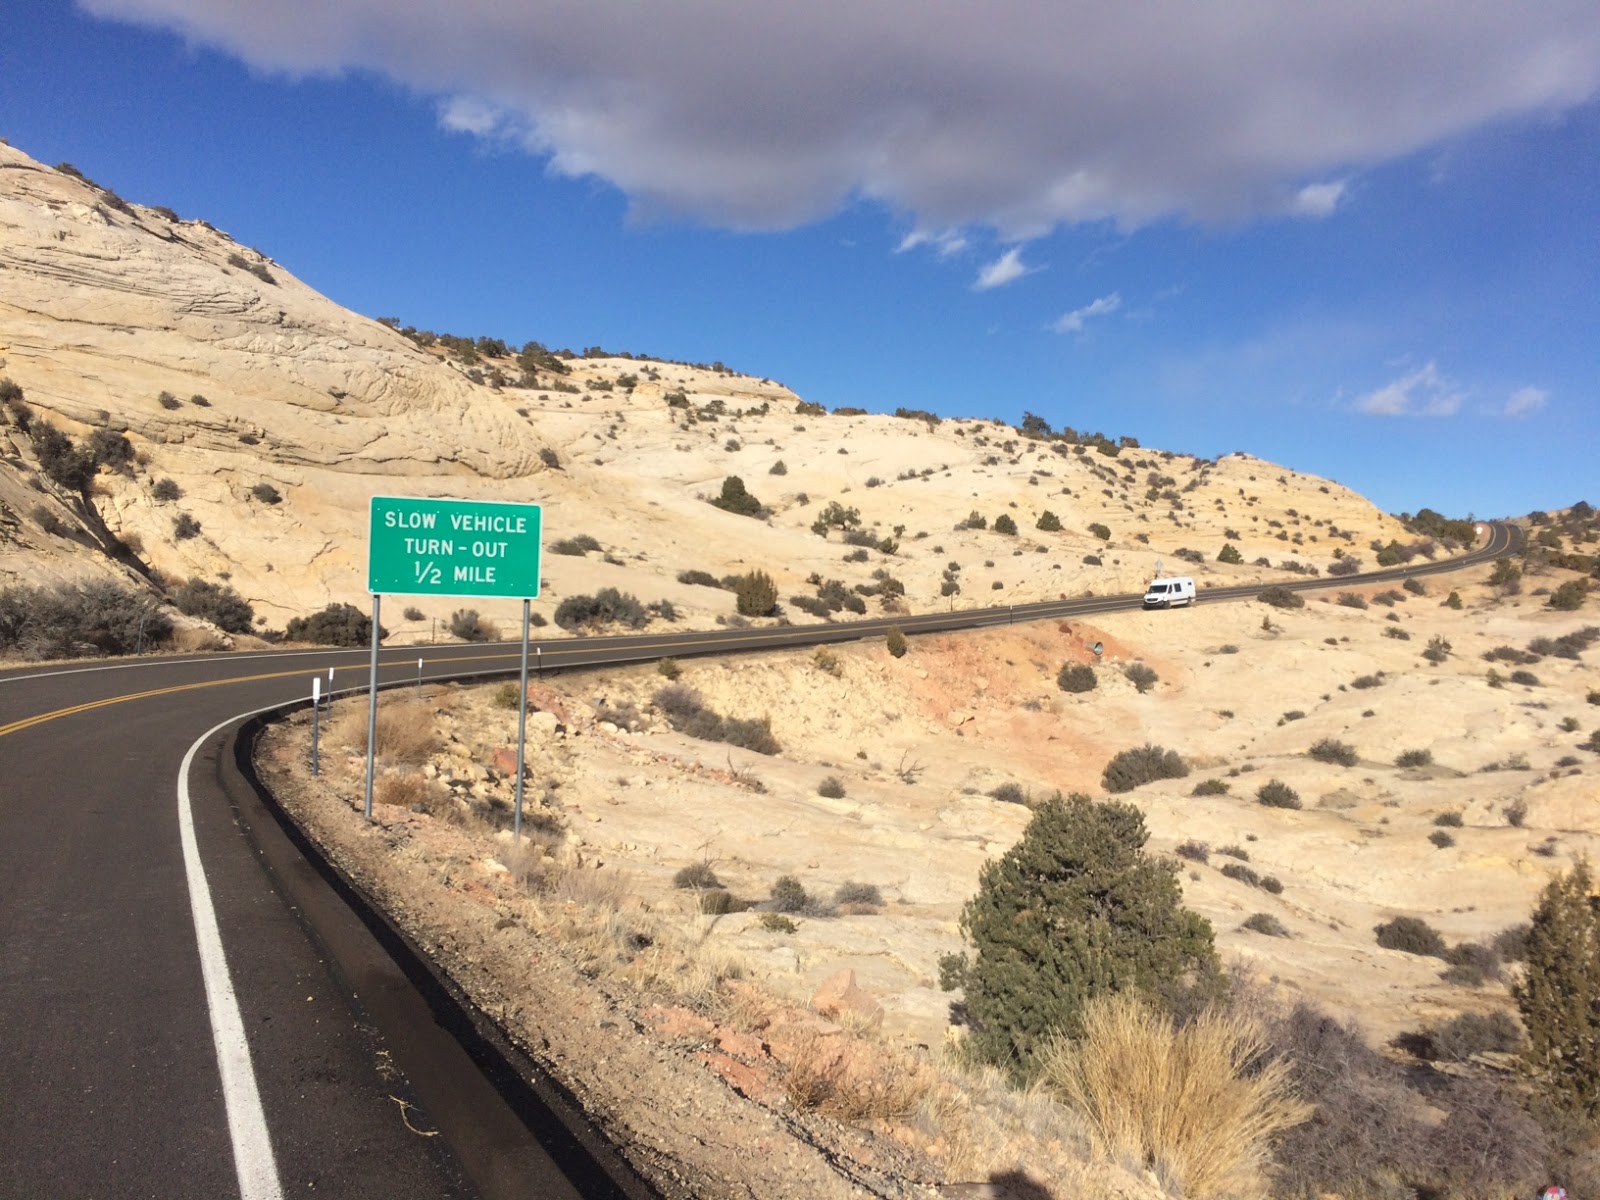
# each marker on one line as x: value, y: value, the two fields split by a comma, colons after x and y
x: 277, y: 414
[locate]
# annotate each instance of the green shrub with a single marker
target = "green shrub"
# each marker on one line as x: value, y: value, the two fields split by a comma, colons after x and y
x: 1211, y: 787
x: 699, y: 578
x: 1569, y: 597
x: 755, y: 595
x: 1141, y: 676
x: 1076, y: 677
x: 266, y: 493
x: 697, y: 875
x: 75, y: 621
x: 777, y: 923
x: 1194, y: 851
x: 577, y: 547
x: 1511, y: 943
x: 1266, y: 923
x: 413, y: 613
x: 167, y: 400
x: 1075, y: 910
x: 1453, y: 600
x: 59, y: 457
x: 1410, y: 935
x: 1438, y: 649
x: 735, y: 499
x: 466, y: 624
x: 1472, y: 964
x: 850, y: 892
x: 550, y: 458
x: 215, y: 602
x: 717, y: 902
x: 1414, y: 758
x: 1281, y: 597
x: 789, y: 895
x: 109, y: 448
x: 185, y: 527
x: 778, y: 468
x: 668, y: 668
x: 1141, y: 765
x: 1230, y: 554
x: 1362, y: 682
x: 1441, y: 839
x: 335, y: 625
x: 832, y: 788
x: 608, y: 606
x: 165, y: 489
x: 1330, y: 751
x: 1352, y: 600
x: 1004, y: 524
x: 1243, y: 874
x: 1100, y: 531
x: 1009, y: 793
x: 895, y: 642
x: 1466, y: 1034
x: 1048, y: 522
x: 1277, y: 794
x: 1556, y: 995
x: 506, y: 697
x: 1525, y: 678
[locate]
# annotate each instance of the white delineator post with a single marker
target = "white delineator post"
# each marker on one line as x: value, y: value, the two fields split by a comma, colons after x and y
x: 316, y: 715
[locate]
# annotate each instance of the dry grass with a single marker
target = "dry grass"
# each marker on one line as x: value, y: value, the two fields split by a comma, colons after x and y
x: 1200, y: 1105
x: 983, y: 1128
x: 406, y: 733
x: 402, y: 790
x: 851, y: 1080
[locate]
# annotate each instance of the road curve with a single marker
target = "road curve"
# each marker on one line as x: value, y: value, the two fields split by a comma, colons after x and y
x: 110, y: 1084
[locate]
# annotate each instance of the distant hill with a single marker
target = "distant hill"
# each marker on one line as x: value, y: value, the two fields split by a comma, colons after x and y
x: 260, y: 417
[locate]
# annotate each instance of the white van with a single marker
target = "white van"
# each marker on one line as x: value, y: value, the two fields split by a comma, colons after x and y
x: 1166, y: 593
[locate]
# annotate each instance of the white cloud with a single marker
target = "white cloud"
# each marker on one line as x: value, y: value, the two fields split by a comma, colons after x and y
x: 1524, y: 402
x: 1423, y: 392
x: 1008, y: 268
x: 468, y: 114
x: 1072, y: 322
x: 946, y: 242
x: 1318, y: 199
x: 1012, y: 114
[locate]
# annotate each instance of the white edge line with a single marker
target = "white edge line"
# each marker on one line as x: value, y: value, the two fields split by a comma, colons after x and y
x: 247, y: 1122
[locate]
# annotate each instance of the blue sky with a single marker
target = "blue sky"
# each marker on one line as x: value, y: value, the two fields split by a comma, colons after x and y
x: 1357, y: 242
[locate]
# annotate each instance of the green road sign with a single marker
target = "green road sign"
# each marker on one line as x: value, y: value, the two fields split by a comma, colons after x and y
x: 426, y: 547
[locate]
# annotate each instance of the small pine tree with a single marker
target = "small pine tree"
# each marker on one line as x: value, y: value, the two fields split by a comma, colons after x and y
x: 1048, y: 522
x: 1230, y: 554
x: 1004, y: 524
x: 1074, y: 910
x: 895, y: 641
x: 755, y: 594
x: 1560, y: 993
x: 735, y: 499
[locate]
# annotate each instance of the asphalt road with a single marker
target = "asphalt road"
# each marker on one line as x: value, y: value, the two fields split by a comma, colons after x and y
x: 289, y: 1042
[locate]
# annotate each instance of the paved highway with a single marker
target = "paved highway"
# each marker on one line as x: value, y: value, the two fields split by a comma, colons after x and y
x: 192, y: 1005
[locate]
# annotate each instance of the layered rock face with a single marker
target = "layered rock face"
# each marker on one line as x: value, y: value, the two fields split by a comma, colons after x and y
x: 264, y: 417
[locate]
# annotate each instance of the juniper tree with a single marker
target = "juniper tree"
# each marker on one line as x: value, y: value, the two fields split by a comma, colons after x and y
x: 1559, y: 995
x: 1074, y: 910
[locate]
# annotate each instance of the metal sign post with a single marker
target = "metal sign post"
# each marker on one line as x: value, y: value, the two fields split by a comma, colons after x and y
x: 316, y: 713
x: 372, y: 703
x: 522, y: 729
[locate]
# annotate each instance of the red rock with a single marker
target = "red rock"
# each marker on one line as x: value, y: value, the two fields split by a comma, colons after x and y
x: 748, y: 1081
x: 839, y: 996
x: 740, y: 1045
x: 672, y: 1022
x: 505, y: 761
